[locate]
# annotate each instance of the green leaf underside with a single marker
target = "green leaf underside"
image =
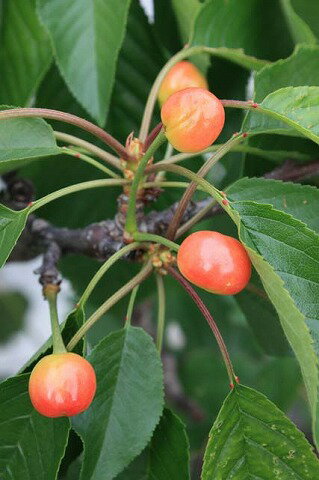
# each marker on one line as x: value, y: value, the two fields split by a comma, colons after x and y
x: 127, y: 405
x: 167, y: 455
x: 11, y: 225
x: 300, y: 201
x: 25, y: 52
x: 235, y: 26
x: 86, y: 38
x: 296, y: 108
x: 252, y: 439
x: 285, y: 253
x: 31, y: 445
x: 23, y: 140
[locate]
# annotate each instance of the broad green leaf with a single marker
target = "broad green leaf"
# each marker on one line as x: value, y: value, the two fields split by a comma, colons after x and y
x: 285, y: 254
x: 262, y: 318
x: 252, y: 439
x: 300, y: 31
x: 31, y: 445
x: 127, y: 405
x: 25, y: 52
x: 23, y: 140
x: 308, y: 14
x: 295, y: 71
x: 186, y: 12
x: 11, y: 225
x: 300, y: 201
x: 166, y: 457
x: 13, y: 306
x: 86, y: 37
x: 296, y: 108
x: 239, y: 31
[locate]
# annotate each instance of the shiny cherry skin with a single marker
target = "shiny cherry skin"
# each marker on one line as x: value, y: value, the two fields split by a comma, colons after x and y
x: 213, y: 261
x: 193, y: 118
x: 62, y: 384
x: 181, y: 75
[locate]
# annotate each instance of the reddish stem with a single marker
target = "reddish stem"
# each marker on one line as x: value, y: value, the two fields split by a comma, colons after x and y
x: 211, y: 322
x: 68, y: 118
x: 151, y: 137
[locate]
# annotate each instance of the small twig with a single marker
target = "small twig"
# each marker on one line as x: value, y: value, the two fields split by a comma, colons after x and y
x: 49, y: 273
x: 151, y: 137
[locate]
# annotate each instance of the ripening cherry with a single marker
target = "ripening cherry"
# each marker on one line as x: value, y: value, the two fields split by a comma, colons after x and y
x: 193, y: 118
x: 181, y: 75
x: 213, y: 261
x: 62, y: 384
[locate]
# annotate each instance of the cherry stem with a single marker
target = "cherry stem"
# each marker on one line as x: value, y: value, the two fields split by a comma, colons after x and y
x: 160, y: 311
x: 71, y: 119
x: 150, y: 139
x: 189, y: 192
x: 50, y: 292
x: 139, y: 278
x: 89, y: 147
x: 211, y: 322
x: 130, y: 307
x: 91, y: 161
x: 131, y: 222
x: 153, y: 238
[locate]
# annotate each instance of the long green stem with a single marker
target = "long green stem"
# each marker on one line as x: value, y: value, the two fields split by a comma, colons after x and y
x: 77, y: 187
x: 131, y: 223
x: 102, y: 270
x: 91, y: 161
x: 130, y: 307
x: 89, y: 147
x: 142, y: 275
x: 151, y: 237
x: 195, y: 219
x: 67, y: 118
x: 50, y: 293
x: 179, y: 212
x: 160, y: 311
x: 168, y: 154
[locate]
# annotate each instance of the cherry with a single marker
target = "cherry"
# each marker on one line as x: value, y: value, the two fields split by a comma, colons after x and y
x: 62, y: 384
x: 213, y: 261
x: 193, y: 119
x: 181, y: 75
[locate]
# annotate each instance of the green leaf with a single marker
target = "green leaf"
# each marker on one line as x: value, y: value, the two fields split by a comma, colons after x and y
x: 23, y: 140
x: 25, y: 52
x: 166, y: 457
x: 127, y: 405
x: 86, y: 38
x: 299, y: 29
x: 31, y: 445
x: 285, y: 254
x: 300, y: 201
x: 296, y: 108
x: 240, y: 31
x: 303, y: 19
x: 252, y: 438
x: 11, y: 225
x: 13, y: 306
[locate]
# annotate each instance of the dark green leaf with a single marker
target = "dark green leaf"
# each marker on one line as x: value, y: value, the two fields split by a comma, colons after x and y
x: 252, y: 438
x: 12, y: 306
x: 31, y: 445
x: 86, y: 38
x: 300, y: 201
x: 166, y: 457
x: 11, y: 225
x: 25, y: 52
x: 127, y: 405
x: 285, y: 254
x: 23, y: 140
x: 302, y: 19
x: 240, y: 31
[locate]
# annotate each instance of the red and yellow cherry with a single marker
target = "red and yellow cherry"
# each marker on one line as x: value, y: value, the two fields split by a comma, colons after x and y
x: 62, y: 384
x: 193, y: 118
x: 213, y: 261
x: 181, y: 75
